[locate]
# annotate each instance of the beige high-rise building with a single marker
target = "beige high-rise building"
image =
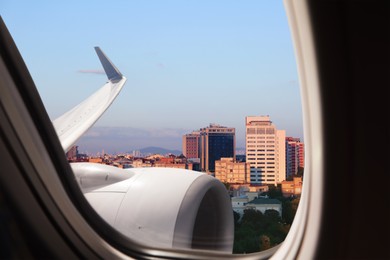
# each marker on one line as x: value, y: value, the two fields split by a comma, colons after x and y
x: 265, y: 151
x: 229, y: 171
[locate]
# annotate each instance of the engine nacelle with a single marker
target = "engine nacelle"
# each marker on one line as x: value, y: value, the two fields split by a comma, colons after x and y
x: 162, y: 207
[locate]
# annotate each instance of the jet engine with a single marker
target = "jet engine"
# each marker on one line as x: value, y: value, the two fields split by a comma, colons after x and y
x: 162, y: 207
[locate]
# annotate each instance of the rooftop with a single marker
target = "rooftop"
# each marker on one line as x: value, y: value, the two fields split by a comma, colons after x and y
x: 264, y: 201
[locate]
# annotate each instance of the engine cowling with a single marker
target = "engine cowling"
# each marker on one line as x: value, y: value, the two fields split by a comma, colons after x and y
x: 162, y: 207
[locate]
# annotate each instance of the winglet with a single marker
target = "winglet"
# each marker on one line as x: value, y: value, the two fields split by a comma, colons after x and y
x: 73, y: 124
x: 112, y: 72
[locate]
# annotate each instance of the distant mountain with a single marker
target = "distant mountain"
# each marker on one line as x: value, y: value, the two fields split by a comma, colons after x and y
x: 158, y: 150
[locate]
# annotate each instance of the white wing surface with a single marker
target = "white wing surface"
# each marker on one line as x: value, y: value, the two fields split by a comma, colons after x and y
x: 163, y: 207
x: 74, y: 123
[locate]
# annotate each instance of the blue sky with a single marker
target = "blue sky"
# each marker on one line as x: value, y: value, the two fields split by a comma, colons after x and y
x: 188, y: 64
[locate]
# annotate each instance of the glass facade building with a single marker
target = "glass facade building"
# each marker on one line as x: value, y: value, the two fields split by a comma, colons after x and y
x: 216, y: 142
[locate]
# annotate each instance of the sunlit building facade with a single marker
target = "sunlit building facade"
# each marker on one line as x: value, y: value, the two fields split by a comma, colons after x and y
x: 292, y: 188
x: 191, y: 145
x: 294, y: 156
x: 229, y: 171
x: 265, y: 151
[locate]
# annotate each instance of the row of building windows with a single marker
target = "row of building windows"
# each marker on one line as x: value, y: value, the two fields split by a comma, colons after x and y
x: 263, y: 168
x: 261, y: 131
x: 262, y: 163
x: 261, y: 150
x: 261, y: 159
x: 261, y: 180
x: 251, y: 143
x: 263, y: 175
x: 261, y: 137
x: 261, y: 154
x: 259, y: 146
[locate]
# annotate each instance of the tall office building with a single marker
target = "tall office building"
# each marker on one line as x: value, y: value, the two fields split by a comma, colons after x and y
x: 294, y: 156
x: 216, y: 142
x: 265, y: 151
x: 191, y: 145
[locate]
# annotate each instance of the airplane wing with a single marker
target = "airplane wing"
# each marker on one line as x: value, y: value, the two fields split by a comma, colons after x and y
x: 74, y: 123
x: 167, y: 208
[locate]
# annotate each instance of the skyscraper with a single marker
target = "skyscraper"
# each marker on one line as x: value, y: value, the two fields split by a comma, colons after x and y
x: 265, y: 151
x: 294, y: 156
x: 216, y: 142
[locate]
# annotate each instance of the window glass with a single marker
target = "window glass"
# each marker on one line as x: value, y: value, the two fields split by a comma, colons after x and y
x: 204, y: 81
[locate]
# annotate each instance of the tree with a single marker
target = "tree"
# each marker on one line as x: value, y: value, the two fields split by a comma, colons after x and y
x: 252, y: 218
x: 227, y: 185
x: 287, y: 212
x: 274, y: 192
x: 236, y: 216
x: 294, y: 204
x: 272, y: 215
x: 300, y: 171
x: 245, y: 240
x: 257, y: 231
x: 265, y: 242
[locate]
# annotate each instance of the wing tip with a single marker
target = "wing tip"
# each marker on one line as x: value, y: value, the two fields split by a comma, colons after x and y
x: 113, y: 74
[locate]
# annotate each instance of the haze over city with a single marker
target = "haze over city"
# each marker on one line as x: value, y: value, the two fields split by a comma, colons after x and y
x: 187, y: 64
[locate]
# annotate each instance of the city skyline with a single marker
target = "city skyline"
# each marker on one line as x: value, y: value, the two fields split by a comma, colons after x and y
x: 127, y: 140
x: 187, y: 64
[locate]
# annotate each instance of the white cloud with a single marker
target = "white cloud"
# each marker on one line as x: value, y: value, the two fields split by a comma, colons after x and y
x: 96, y: 71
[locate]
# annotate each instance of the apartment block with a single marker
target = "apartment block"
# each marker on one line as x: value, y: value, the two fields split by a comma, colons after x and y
x: 292, y: 188
x: 294, y: 156
x: 191, y: 145
x: 229, y: 171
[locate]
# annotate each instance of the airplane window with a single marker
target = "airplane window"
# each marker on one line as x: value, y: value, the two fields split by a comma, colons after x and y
x: 157, y: 106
